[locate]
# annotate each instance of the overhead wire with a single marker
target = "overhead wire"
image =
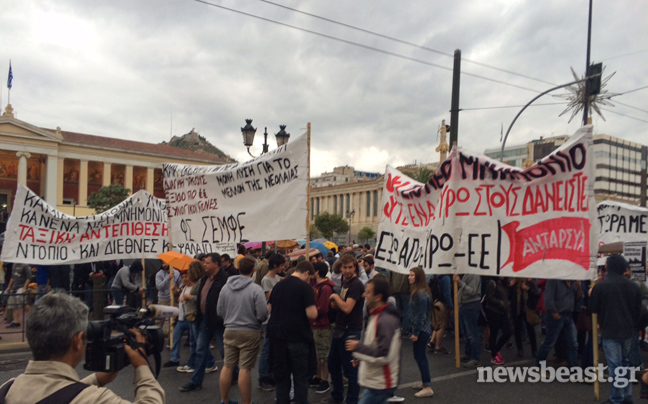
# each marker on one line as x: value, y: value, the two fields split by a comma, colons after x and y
x: 514, y: 106
x: 348, y: 42
x: 390, y: 38
x: 619, y: 113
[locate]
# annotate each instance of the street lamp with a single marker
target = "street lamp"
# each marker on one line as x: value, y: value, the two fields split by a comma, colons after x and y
x: 248, y: 132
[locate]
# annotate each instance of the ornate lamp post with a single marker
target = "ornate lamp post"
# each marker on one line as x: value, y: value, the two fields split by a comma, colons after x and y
x: 248, y: 132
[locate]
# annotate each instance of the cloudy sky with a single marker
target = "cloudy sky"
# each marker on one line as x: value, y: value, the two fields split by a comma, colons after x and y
x: 147, y: 69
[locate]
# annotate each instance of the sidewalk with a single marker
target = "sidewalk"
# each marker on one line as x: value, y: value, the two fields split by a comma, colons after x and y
x: 12, y: 339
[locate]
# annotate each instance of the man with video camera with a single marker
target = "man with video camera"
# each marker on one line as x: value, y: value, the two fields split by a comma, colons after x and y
x: 56, y: 332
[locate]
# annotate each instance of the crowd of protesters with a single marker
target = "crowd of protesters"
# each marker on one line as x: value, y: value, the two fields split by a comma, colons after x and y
x: 335, y: 323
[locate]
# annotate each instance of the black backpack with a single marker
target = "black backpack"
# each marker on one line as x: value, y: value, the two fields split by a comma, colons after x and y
x: 435, y: 288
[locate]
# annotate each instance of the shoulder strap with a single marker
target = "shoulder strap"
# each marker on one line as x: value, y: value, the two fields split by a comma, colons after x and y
x: 4, y: 390
x: 65, y: 395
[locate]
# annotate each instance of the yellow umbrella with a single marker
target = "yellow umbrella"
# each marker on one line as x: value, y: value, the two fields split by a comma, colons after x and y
x: 330, y: 245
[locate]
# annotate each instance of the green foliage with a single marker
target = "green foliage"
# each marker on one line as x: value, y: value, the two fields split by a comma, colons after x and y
x: 366, y: 233
x: 313, y: 232
x: 423, y: 175
x: 329, y: 224
x: 107, y: 197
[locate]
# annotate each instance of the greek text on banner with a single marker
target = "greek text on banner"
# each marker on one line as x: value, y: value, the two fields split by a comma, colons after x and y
x: 37, y: 233
x: 211, y: 208
x: 477, y: 215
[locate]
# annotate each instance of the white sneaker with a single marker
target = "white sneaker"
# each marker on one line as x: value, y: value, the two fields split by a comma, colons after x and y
x: 211, y: 370
x: 395, y: 399
x: 184, y: 369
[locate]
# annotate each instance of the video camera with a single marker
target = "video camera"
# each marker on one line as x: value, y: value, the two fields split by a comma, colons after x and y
x: 107, y: 338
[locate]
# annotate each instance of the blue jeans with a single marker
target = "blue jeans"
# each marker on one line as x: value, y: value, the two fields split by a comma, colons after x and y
x: 265, y: 372
x: 617, y: 354
x: 421, y: 358
x: 403, y: 301
x: 339, y: 360
x: 202, y: 348
x: 180, y: 328
x: 469, y: 322
x: 566, y: 328
x: 42, y: 290
x: 373, y: 396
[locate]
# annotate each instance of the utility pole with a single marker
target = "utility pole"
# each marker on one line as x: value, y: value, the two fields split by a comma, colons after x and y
x: 454, y: 105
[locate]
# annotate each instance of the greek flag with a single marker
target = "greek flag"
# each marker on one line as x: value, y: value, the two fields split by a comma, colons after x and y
x: 10, y: 78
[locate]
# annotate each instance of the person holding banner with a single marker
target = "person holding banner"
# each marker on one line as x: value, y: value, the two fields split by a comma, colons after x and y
x: 469, y: 288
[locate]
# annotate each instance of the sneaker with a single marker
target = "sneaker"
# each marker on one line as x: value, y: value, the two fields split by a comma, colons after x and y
x: 229, y: 402
x: 266, y: 385
x: 464, y: 358
x: 13, y: 325
x: 497, y: 360
x: 323, y: 387
x: 487, y: 349
x: 499, y: 356
x: 170, y: 364
x: 431, y: 346
x: 211, y: 369
x: 395, y: 399
x: 441, y: 351
x: 314, y: 381
x: 190, y: 387
x: 424, y: 393
x: 184, y: 369
x: 471, y: 364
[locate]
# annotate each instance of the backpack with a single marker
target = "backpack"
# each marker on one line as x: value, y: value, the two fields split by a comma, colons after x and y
x: 332, y: 313
x: 435, y: 287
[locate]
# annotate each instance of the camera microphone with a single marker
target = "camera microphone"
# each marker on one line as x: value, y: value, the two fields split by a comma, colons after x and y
x: 159, y: 311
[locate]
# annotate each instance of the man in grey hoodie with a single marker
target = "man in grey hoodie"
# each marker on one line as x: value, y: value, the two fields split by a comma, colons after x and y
x: 242, y: 305
x: 469, y: 311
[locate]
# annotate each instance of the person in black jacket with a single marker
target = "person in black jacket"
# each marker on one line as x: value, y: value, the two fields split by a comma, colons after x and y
x: 496, y: 305
x: 209, y: 323
x: 617, y: 300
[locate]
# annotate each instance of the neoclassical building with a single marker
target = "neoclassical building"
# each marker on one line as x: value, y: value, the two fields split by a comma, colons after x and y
x: 65, y: 167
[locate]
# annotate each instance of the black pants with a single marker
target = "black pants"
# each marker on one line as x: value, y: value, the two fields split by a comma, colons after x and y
x: 498, y: 322
x: 290, y: 358
x: 520, y: 321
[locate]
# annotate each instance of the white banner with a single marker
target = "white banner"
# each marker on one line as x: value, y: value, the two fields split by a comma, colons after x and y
x: 477, y: 215
x: 37, y: 233
x: 622, y: 222
x: 211, y: 208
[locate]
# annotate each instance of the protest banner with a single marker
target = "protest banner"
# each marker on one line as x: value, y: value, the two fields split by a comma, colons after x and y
x: 622, y: 222
x: 37, y: 233
x: 635, y: 253
x: 478, y: 215
x: 211, y: 208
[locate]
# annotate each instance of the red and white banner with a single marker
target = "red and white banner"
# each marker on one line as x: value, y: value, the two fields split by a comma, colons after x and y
x: 37, y: 233
x: 478, y: 215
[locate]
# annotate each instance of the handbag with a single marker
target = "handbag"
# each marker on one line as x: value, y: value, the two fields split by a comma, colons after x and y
x: 584, y: 320
x: 532, y: 316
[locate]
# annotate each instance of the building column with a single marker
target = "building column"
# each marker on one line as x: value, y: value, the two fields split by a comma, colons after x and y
x: 51, y: 180
x: 83, y: 183
x: 59, y: 181
x: 149, y: 180
x: 128, y: 180
x: 106, y: 175
x: 22, y: 167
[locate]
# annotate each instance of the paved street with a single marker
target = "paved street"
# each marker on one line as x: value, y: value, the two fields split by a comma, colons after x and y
x: 450, y: 385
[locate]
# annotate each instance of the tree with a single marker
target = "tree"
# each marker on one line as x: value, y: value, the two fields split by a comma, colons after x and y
x: 366, y: 233
x: 314, y: 232
x: 107, y: 197
x: 331, y: 224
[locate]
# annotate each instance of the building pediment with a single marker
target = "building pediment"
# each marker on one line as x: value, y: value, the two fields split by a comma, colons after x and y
x: 16, y: 128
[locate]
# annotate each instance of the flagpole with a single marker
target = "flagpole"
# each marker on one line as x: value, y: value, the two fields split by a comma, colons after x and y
x: 9, y: 85
x: 308, y: 141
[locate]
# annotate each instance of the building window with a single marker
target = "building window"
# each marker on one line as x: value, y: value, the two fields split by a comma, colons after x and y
x: 375, y: 203
x: 368, y: 203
